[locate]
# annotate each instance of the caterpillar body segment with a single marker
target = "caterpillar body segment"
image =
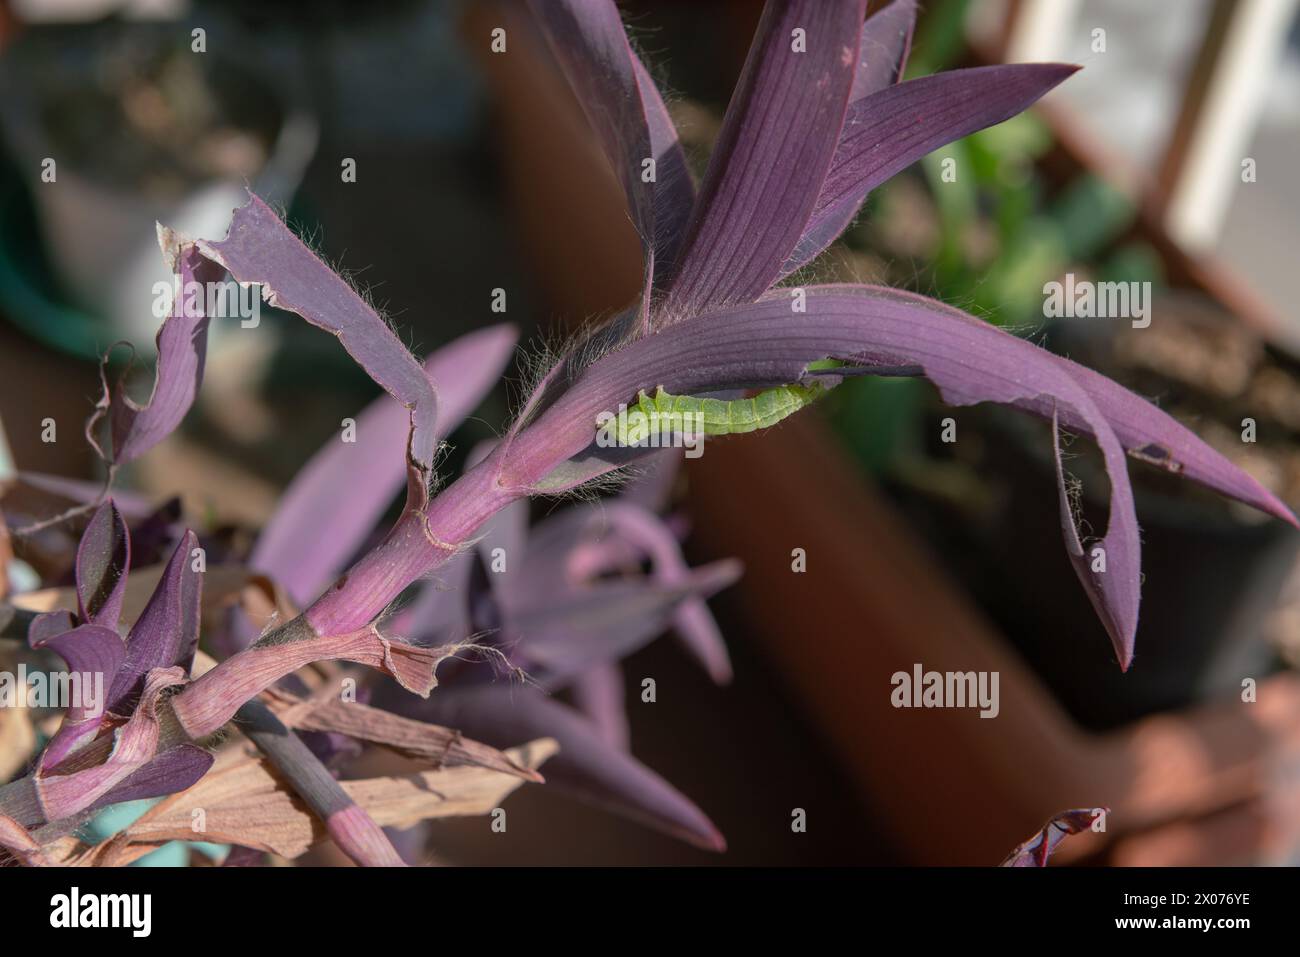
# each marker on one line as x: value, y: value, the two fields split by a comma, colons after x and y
x: 666, y: 413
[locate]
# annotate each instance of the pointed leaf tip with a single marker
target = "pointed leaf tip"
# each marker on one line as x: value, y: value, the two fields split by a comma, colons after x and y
x: 103, y: 558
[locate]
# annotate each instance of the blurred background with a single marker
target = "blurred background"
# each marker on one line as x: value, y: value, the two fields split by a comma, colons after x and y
x: 1168, y: 159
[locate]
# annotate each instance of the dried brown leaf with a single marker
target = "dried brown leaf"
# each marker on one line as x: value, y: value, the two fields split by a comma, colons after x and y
x: 244, y: 801
x: 430, y: 743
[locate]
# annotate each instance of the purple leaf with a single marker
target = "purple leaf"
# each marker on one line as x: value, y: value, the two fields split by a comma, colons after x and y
x: 692, y: 620
x: 882, y: 51
x: 606, y: 621
x: 131, y: 505
x: 599, y: 694
x: 77, y: 785
x: 587, y: 766
x: 171, y: 771
x: 699, y: 633
x: 261, y: 249
x: 167, y: 631
x: 891, y: 129
x: 1094, y: 584
x: 764, y: 345
x: 616, y: 535
x: 1035, y: 851
x: 337, y: 498
x: 628, y: 115
x: 772, y: 155
x: 94, y: 654
x: 1155, y: 438
x: 182, y: 345
x: 103, y: 558
x: 49, y: 624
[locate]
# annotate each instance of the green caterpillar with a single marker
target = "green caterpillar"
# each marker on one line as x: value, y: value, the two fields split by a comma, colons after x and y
x: 688, y: 414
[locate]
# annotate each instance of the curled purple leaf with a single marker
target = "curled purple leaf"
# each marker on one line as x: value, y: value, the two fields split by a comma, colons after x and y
x: 103, y: 558
x: 763, y: 345
x: 78, y: 784
x: 49, y: 624
x: 1035, y: 851
x: 260, y: 248
x: 94, y: 654
x: 182, y: 348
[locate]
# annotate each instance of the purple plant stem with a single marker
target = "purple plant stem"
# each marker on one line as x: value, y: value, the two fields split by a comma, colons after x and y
x: 348, y: 824
x: 417, y: 544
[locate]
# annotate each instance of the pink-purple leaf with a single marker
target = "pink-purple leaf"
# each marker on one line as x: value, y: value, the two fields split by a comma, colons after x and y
x: 587, y: 543
x: 48, y: 625
x: 182, y: 346
x: 894, y: 127
x: 103, y: 558
x: 607, y: 620
x: 628, y: 115
x: 774, y: 151
x: 170, y: 771
x: 599, y: 694
x: 167, y: 631
x: 94, y: 654
x: 1035, y: 851
x: 882, y: 51
x: 766, y: 344
x: 65, y: 790
x: 260, y: 248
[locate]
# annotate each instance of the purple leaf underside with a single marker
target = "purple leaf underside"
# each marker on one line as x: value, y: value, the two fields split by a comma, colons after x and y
x: 764, y: 344
x: 260, y: 248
